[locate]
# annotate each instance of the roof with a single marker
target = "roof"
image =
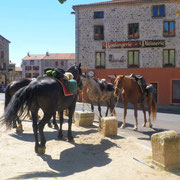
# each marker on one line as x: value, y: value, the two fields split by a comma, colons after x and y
x: 120, y: 2
x: 4, y: 39
x: 57, y: 56
x: 61, y: 56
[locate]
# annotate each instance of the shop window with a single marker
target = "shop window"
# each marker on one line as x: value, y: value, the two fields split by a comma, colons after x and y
x: 133, y: 59
x: 35, y: 67
x: 175, y: 91
x: 98, y: 32
x: 168, y: 58
x: 35, y: 75
x: 100, y: 60
x: 28, y: 68
x: 158, y: 11
x: 169, y: 29
x: 28, y: 75
x: 99, y: 15
x: 133, y: 30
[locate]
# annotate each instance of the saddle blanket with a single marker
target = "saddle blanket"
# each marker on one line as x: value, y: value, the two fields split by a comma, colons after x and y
x: 69, y: 87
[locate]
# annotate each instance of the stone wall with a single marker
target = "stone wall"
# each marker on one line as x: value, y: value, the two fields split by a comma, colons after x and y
x: 115, y: 21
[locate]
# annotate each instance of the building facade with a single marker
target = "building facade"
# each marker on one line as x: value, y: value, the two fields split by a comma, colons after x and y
x: 33, y: 65
x: 14, y: 73
x: 132, y: 36
x: 4, y: 60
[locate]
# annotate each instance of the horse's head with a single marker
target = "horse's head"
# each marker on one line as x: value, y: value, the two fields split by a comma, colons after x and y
x: 77, y: 73
x: 118, y: 84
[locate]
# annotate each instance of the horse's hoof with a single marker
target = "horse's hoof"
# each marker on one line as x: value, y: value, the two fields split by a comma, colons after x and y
x: 70, y: 139
x: 144, y: 125
x: 41, y: 150
x: 150, y: 126
x: 19, y: 130
x: 135, y: 129
x: 49, y: 125
x: 122, y: 126
x: 56, y: 127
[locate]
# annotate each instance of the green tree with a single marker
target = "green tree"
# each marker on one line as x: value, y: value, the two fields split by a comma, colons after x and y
x: 62, y: 1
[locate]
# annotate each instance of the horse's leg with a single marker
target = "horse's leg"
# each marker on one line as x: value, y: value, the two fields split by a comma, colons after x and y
x: 71, y: 112
x: 60, y: 134
x: 92, y: 106
x: 42, y: 123
x: 108, y: 106
x: 125, y: 113
x: 19, y: 128
x: 35, y: 128
x: 144, y: 112
x: 135, y: 115
x: 54, y: 121
x: 99, y: 108
x: 149, y: 112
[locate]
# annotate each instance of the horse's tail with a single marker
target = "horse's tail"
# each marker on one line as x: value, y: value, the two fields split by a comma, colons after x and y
x: 20, y: 102
x: 7, y: 96
x: 153, y: 107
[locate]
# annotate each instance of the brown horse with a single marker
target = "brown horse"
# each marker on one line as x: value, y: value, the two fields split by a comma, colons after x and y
x: 131, y: 92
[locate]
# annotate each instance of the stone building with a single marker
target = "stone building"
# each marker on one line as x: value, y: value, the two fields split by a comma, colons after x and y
x: 4, y: 60
x: 33, y: 65
x: 14, y: 73
x: 132, y: 36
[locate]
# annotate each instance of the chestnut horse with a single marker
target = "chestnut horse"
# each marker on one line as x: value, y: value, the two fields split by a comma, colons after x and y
x: 131, y: 92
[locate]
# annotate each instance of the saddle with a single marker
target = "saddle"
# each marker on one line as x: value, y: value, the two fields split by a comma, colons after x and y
x: 142, y: 84
x: 66, y: 80
x: 104, y: 85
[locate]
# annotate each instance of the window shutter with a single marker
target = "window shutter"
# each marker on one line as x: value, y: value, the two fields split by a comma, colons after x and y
x: 155, y: 11
x: 162, y: 11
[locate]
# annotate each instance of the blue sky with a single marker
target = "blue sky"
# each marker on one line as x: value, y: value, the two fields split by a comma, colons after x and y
x: 37, y: 26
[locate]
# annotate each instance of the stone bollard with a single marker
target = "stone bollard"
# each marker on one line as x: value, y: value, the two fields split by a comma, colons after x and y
x: 108, y: 126
x: 166, y: 150
x: 83, y: 118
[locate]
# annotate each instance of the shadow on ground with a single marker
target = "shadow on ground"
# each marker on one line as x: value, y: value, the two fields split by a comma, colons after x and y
x: 79, y: 158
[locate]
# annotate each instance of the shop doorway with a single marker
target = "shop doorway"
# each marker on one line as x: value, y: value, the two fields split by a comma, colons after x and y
x: 176, y: 91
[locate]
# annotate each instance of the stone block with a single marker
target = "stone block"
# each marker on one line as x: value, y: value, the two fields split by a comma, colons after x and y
x: 83, y: 118
x: 166, y: 150
x: 108, y: 126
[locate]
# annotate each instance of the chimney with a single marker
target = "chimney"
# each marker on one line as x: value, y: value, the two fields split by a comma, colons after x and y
x: 28, y: 54
x: 47, y: 53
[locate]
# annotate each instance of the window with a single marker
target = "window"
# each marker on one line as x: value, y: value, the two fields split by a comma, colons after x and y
x: 100, y: 60
x: 169, y: 29
x: 1, y: 54
x: 28, y: 75
x: 35, y: 67
x: 35, y: 75
x: 62, y: 63
x: 56, y: 63
x: 133, y: 30
x: 98, y: 32
x: 133, y: 59
x: 158, y: 11
x: 31, y: 62
x: 98, y: 15
x: 168, y: 58
x: 27, y: 67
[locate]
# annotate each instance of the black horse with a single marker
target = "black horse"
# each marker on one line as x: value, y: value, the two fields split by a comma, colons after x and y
x: 47, y: 94
x: 11, y: 89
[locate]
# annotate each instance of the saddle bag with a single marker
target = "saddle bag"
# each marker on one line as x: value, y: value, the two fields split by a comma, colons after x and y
x: 71, y: 86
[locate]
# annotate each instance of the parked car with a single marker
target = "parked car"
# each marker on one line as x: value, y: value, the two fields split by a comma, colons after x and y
x: 2, y: 89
